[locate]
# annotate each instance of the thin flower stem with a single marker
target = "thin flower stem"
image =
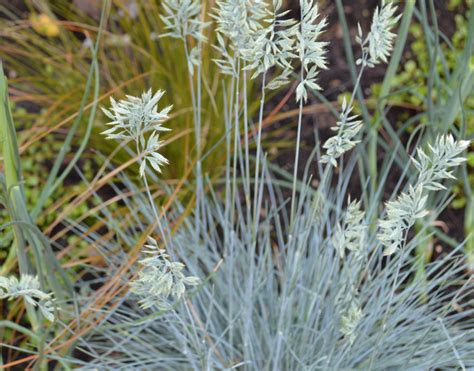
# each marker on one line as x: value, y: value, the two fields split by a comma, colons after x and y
x: 150, y: 197
x: 236, y: 140
x: 246, y: 145
x: 197, y: 129
x: 259, y: 148
x: 351, y: 100
x: 297, y: 155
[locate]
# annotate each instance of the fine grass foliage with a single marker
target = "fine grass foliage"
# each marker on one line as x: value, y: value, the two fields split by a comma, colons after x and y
x: 264, y: 271
x: 300, y: 285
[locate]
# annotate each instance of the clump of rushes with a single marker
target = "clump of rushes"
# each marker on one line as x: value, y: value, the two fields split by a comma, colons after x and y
x: 28, y: 287
x: 138, y: 119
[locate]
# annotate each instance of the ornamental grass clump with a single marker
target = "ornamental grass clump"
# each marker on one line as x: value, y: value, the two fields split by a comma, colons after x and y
x: 308, y: 283
x: 246, y: 278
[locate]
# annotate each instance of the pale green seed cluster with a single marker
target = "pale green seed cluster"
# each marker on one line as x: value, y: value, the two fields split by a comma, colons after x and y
x: 378, y: 44
x: 432, y: 168
x: 28, y: 287
x: 347, y: 128
x: 160, y: 279
x: 351, y: 234
x: 349, y: 321
x: 138, y: 119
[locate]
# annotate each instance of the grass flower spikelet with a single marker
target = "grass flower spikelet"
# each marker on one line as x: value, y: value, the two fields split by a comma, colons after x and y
x: 160, y: 278
x: 432, y: 168
x: 138, y: 119
x: 28, y: 287
x: 181, y: 19
x: 347, y: 128
x: 378, y: 44
x: 352, y: 233
x: 349, y: 321
x: 311, y: 51
x: 273, y: 46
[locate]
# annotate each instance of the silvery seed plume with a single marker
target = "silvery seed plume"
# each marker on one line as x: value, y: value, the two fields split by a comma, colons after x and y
x: 28, y: 287
x: 160, y: 279
x: 151, y: 156
x: 237, y: 21
x: 351, y: 234
x: 134, y: 116
x: 138, y: 119
x: 311, y: 52
x: 378, y: 44
x: 349, y: 321
x: 347, y: 128
x: 432, y: 168
x: 273, y: 45
x: 181, y: 19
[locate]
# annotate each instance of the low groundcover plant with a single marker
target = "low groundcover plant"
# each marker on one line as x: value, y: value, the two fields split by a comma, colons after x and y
x: 249, y: 279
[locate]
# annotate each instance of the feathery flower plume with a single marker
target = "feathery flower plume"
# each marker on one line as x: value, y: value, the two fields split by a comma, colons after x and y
x: 181, y: 19
x: 27, y: 287
x: 352, y: 233
x: 160, y: 278
x: 378, y: 44
x: 273, y: 45
x: 349, y: 321
x: 347, y: 128
x: 238, y: 21
x: 410, y: 206
x: 311, y: 52
x: 132, y: 119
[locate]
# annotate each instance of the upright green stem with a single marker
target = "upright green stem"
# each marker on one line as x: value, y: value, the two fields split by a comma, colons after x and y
x: 246, y: 148
x: 236, y: 139
x: 469, y: 232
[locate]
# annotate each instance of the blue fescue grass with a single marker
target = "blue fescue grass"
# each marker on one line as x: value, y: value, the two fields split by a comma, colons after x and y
x: 285, y: 284
x: 276, y: 300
